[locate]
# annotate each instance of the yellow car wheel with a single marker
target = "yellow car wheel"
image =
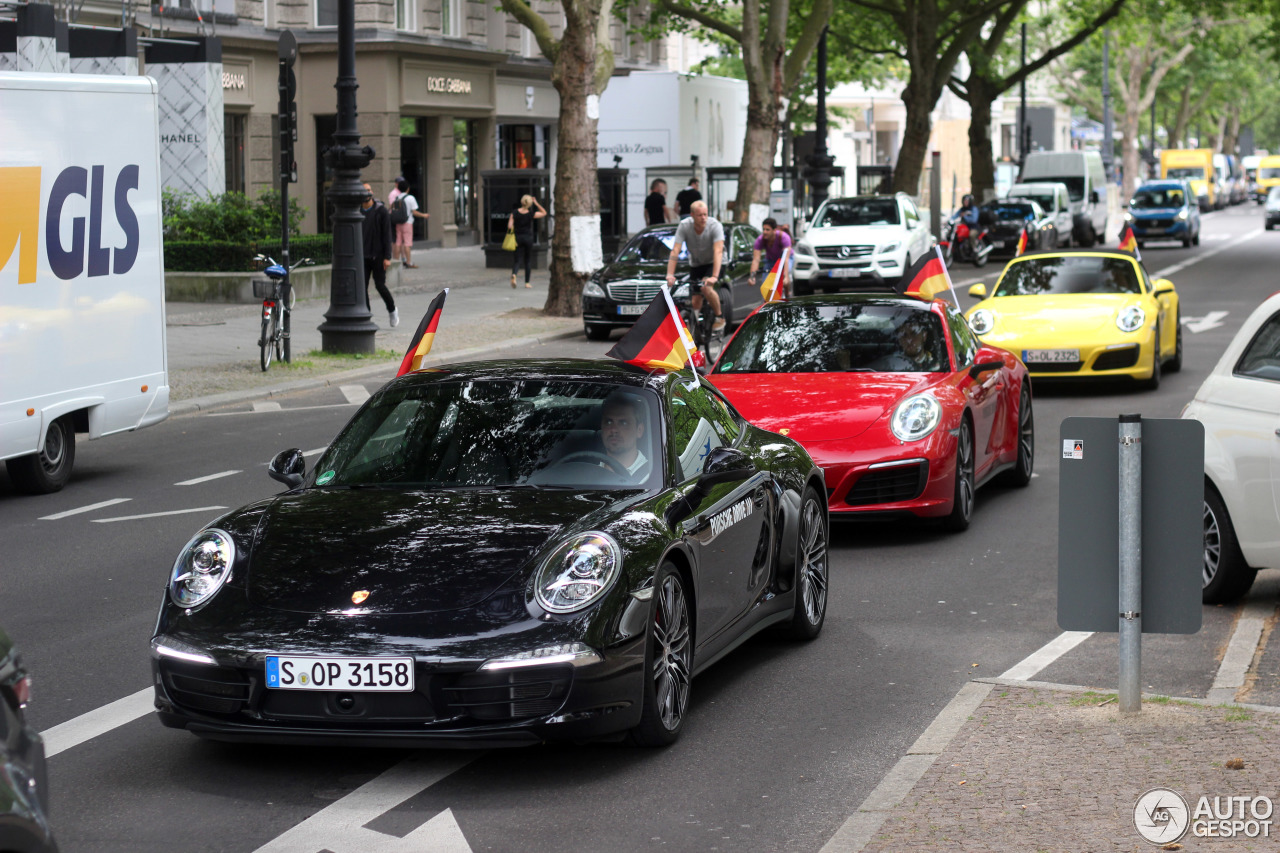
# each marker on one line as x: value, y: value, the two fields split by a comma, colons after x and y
x: 1154, y: 382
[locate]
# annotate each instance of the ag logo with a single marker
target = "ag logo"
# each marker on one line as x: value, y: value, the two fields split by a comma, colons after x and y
x: 1161, y: 816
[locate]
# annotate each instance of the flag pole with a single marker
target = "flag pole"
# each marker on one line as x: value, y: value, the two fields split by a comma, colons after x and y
x: 950, y: 284
x: 685, y: 341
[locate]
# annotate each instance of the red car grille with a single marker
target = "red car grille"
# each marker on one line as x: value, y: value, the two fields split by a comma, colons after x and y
x: 889, y: 485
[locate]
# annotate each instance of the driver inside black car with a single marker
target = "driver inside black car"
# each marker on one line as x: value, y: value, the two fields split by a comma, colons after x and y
x: 622, y: 427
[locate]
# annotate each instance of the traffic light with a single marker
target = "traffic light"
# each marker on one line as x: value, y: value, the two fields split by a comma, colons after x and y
x: 288, y: 52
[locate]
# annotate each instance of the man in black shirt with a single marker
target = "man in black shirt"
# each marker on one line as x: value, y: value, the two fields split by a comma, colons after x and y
x: 687, y: 196
x: 656, y: 211
x: 377, y: 252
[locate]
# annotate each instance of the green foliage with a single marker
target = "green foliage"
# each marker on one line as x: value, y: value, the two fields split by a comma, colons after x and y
x: 237, y: 256
x: 231, y: 217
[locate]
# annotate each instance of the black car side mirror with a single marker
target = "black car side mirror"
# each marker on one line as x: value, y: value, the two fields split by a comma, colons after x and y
x: 288, y: 467
x: 983, y: 366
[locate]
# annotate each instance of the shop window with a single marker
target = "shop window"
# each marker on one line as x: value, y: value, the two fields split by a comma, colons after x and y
x: 326, y: 13
x: 451, y: 17
x: 523, y: 146
x: 464, y: 173
x: 405, y: 17
x: 413, y: 166
x: 234, y: 133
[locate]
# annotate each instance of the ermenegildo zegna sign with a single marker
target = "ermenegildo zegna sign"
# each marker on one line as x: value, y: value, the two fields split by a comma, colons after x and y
x: 425, y: 84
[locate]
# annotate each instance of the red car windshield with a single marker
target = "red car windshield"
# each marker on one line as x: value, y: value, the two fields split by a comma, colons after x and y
x: 870, y: 337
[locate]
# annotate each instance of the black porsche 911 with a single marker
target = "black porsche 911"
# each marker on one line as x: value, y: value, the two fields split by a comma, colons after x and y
x: 494, y: 553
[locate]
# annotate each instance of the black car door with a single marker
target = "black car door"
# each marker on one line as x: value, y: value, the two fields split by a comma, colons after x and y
x: 725, y: 526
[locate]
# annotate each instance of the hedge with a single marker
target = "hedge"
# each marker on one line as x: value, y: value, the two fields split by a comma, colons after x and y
x: 222, y: 256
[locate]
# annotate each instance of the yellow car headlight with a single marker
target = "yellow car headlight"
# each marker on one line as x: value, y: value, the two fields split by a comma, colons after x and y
x: 1131, y: 318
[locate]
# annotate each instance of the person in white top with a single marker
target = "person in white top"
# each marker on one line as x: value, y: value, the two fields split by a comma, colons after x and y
x: 400, y: 198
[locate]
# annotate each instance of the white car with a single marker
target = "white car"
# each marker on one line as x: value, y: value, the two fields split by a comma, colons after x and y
x: 1056, y: 202
x: 1239, y: 405
x: 861, y: 241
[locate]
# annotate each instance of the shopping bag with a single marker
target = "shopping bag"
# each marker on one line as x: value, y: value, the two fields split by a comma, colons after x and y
x: 509, y: 241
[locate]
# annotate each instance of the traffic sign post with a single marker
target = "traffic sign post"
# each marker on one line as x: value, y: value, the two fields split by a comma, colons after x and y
x: 1130, y: 532
x: 287, y: 49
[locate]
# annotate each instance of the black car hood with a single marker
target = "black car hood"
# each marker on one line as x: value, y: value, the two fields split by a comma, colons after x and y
x: 624, y: 270
x: 412, y: 551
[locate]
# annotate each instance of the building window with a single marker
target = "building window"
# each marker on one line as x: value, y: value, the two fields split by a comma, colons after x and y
x: 326, y: 13
x: 451, y: 17
x: 464, y: 173
x: 523, y: 146
x: 405, y: 18
x: 235, y: 130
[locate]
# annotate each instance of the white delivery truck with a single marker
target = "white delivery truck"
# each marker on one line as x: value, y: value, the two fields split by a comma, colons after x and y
x: 82, y: 323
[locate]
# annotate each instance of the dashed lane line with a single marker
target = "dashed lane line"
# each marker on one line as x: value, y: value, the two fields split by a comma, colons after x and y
x: 266, y: 406
x: 157, y: 514
x: 1204, y: 256
x: 316, y: 452
x: 99, y: 721
x: 207, y: 477
x: 90, y: 508
x: 355, y: 394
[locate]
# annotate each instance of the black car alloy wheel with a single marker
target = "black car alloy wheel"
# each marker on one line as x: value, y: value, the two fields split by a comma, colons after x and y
x: 962, y: 508
x: 670, y: 664
x: 811, y: 570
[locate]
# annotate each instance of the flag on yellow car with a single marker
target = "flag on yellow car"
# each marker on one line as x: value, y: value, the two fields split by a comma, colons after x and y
x: 1022, y: 243
x: 1129, y: 242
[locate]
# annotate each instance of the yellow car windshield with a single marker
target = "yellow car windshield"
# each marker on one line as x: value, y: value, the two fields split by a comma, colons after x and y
x: 1069, y: 274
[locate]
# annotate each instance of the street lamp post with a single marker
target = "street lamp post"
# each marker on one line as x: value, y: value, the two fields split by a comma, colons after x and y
x: 820, y: 161
x: 348, y: 325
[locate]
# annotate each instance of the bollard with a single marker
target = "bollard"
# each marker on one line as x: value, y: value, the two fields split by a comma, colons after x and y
x: 1130, y: 435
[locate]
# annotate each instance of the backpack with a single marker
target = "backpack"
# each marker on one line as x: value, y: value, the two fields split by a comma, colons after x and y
x: 399, y: 211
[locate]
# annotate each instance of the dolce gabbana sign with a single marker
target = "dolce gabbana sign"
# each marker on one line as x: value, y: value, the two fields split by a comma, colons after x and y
x: 459, y: 90
x: 237, y: 81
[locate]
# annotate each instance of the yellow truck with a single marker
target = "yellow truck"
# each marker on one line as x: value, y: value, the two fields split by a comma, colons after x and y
x: 1194, y: 165
x: 1268, y: 176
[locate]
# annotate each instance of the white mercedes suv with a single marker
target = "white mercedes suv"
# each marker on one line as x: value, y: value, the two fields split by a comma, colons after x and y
x: 865, y: 241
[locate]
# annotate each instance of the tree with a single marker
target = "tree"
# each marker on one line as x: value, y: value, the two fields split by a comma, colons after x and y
x: 581, y: 64
x: 773, y: 61
x: 992, y: 72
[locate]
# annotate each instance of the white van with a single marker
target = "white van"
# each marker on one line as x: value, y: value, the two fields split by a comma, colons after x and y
x: 82, y: 325
x: 1086, y: 184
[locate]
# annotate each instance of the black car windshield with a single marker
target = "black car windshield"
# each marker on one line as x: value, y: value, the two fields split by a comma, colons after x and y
x: 1009, y: 211
x: 1069, y: 274
x: 1187, y: 172
x: 652, y: 247
x: 858, y: 211
x: 496, y: 433
x: 1156, y: 198
x: 857, y: 337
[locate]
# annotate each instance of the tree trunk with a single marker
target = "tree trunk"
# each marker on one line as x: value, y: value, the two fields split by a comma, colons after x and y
x: 981, y: 154
x: 755, y: 173
x: 1182, y: 119
x: 1129, y: 156
x: 575, y: 242
x: 1231, y: 139
x: 919, y: 100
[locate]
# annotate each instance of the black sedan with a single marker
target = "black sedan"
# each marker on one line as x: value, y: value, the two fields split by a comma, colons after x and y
x: 1006, y: 218
x: 617, y: 294
x: 494, y: 553
x: 24, y: 787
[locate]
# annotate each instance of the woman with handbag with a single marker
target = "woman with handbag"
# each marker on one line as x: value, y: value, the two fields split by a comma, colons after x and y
x: 520, y: 235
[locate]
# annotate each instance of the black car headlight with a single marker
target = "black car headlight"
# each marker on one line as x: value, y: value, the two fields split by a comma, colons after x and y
x: 579, y: 570
x: 202, y: 567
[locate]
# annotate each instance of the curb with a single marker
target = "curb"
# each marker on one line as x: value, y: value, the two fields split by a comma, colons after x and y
x: 209, y: 401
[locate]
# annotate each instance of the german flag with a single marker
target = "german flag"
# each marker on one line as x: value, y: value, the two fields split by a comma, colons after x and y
x: 927, y: 278
x: 1022, y: 243
x: 658, y: 340
x: 771, y: 290
x: 424, y: 336
x: 1129, y: 242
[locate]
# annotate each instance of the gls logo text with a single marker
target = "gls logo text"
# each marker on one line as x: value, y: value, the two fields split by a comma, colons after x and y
x: 20, y: 222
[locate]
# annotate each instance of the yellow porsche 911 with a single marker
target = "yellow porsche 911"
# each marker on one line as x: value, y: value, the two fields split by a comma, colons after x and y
x: 1073, y: 314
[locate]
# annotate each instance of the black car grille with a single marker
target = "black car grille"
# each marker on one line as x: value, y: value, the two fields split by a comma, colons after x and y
x: 633, y: 291
x: 356, y: 707
x: 215, y: 689
x: 1154, y: 223
x: 889, y: 485
x: 1055, y: 366
x: 508, y: 694
x: 1116, y: 359
x: 843, y: 253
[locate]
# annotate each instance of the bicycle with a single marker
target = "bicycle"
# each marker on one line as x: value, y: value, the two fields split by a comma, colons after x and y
x: 705, y: 338
x: 277, y: 301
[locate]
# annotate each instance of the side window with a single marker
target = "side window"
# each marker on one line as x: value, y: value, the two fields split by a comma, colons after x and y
x: 910, y: 215
x: 1261, y: 359
x: 693, y: 432
x: 722, y: 417
x: 962, y: 337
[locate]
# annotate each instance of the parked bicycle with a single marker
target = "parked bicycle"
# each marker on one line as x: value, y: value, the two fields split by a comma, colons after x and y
x: 277, y: 301
x: 700, y: 324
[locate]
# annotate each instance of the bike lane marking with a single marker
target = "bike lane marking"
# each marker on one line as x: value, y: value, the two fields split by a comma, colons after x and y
x: 207, y: 477
x: 157, y: 514
x: 97, y: 722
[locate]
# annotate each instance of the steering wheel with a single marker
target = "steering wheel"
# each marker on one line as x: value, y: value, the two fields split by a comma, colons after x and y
x: 596, y: 456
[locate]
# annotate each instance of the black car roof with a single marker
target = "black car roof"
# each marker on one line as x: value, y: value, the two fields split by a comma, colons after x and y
x: 583, y: 369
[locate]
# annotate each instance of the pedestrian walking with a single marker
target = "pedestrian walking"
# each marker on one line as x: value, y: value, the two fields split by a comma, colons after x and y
x: 377, y: 253
x: 656, y: 211
x: 520, y: 222
x: 687, y: 196
x: 403, y: 209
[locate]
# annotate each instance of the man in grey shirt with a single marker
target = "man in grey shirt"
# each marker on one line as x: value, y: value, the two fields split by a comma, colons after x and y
x: 705, y: 238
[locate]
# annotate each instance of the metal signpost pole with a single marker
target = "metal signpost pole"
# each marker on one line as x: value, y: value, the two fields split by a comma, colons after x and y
x: 1130, y: 434
x: 287, y: 50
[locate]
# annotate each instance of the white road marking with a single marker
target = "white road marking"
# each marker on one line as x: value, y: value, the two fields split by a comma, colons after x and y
x: 1046, y: 654
x: 863, y: 824
x: 315, y: 452
x: 1240, y: 651
x: 157, y: 514
x: 98, y: 722
x: 1212, y: 320
x: 1202, y: 256
x: 266, y: 406
x: 207, y: 477
x: 355, y: 394
x: 89, y: 508
x: 287, y: 411
x: 340, y: 826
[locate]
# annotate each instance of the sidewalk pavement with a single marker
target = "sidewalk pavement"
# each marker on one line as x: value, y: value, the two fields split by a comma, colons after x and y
x: 213, y: 347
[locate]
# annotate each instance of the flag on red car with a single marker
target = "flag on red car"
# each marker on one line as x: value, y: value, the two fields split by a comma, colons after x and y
x: 424, y: 336
x: 927, y: 278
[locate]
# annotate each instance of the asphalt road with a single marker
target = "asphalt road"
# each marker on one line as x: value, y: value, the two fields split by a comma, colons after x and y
x: 784, y: 740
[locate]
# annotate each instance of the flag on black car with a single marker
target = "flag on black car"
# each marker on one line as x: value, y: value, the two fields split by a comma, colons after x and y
x: 658, y: 340
x: 424, y: 336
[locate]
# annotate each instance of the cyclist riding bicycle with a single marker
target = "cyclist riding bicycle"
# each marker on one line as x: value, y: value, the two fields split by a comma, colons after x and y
x: 705, y: 238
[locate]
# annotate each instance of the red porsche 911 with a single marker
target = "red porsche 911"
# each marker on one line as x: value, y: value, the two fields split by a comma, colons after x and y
x: 898, y: 401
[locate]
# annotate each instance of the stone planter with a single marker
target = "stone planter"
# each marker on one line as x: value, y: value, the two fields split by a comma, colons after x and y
x: 309, y: 282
